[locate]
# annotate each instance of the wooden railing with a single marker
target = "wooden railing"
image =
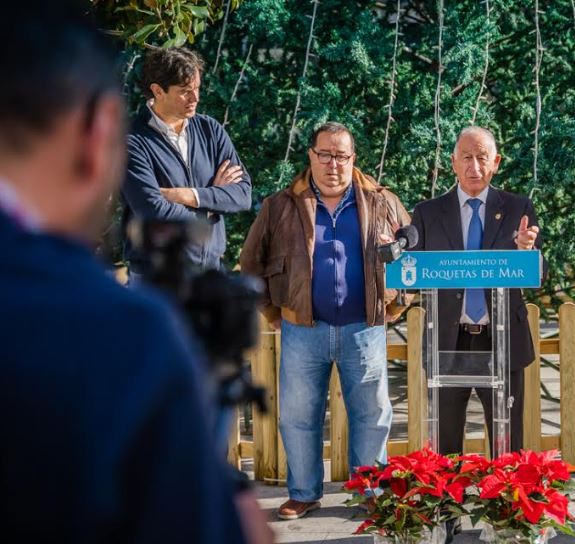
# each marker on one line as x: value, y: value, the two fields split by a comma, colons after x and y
x: 267, y: 450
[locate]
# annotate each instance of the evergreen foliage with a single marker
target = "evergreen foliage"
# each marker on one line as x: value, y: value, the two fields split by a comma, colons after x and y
x: 488, y: 71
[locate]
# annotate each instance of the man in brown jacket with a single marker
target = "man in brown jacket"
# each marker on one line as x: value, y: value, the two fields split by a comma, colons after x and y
x: 315, y: 245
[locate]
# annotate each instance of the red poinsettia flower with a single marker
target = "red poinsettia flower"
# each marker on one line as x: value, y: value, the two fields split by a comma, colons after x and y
x: 390, y: 470
x: 401, y: 462
x: 559, y: 470
x: 521, y: 491
x: 366, y: 469
x: 473, y: 464
x: 491, y: 486
x: 507, y: 460
x: 357, y: 483
x: 527, y: 476
x: 557, y: 506
x: 531, y: 509
x: 456, y: 490
x: 412, y: 490
x: 398, y: 486
x: 532, y: 457
x: 462, y: 480
x: 363, y: 527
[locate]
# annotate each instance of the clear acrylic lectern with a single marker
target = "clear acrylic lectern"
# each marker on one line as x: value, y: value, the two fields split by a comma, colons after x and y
x: 497, y: 271
x: 489, y: 369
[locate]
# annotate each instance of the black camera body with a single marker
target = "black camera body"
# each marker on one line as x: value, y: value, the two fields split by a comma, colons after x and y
x: 223, y: 310
x: 221, y: 306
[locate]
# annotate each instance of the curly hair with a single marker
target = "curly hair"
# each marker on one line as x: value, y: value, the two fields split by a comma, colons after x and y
x: 167, y: 67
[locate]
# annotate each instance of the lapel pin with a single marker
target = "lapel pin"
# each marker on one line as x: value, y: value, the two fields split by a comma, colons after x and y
x: 497, y: 216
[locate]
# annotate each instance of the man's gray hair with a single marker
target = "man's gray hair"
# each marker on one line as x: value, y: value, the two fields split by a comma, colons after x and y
x: 334, y: 128
x: 474, y: 129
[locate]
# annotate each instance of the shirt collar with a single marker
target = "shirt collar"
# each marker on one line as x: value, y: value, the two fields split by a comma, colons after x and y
x: 13, y: 206
x: 162, y: 127
x: 464, y: 197
x: 346, y: 196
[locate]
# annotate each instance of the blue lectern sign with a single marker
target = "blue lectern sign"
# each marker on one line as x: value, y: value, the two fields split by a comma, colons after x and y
x: 464, y: 269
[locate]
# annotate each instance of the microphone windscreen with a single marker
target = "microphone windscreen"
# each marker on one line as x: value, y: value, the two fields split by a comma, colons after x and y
x: 409, y: 234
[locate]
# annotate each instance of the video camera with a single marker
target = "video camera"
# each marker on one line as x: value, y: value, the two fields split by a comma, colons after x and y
x: 221, y: 306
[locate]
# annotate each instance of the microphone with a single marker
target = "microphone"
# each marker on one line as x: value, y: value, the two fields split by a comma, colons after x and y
x: 405, y: 237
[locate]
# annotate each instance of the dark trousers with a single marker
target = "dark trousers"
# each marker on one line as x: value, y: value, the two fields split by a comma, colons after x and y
x: 453, y: 403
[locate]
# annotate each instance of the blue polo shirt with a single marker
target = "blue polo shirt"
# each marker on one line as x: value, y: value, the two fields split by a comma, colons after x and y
x: 338, y: 283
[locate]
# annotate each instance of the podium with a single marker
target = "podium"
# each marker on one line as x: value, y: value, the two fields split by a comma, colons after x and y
x: 431, y: 272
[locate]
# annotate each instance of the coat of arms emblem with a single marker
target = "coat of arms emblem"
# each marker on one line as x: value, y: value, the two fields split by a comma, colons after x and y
x: 408, y: 270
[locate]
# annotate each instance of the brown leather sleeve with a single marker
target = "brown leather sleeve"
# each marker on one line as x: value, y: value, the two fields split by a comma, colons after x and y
x: 253, y: 259
x: 396, y: 214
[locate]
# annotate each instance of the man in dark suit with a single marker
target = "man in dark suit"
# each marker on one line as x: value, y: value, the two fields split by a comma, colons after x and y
x: 475, y: 215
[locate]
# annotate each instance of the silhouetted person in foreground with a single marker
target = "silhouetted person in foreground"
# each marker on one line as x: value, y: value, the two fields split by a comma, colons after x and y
x: 103, y: 424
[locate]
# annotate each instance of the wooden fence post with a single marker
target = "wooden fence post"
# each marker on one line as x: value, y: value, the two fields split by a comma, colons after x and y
x: 234, y: 455
x: 416, y: 387
x: 567, y: 378
x: 532, y: 408
x: 338, y: 430
x: 265, y: 425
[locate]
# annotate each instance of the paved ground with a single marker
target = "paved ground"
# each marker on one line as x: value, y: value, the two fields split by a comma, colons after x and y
x: 334, y: 522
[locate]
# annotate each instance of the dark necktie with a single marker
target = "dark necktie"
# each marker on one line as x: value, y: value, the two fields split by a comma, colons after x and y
x: 475, y: 306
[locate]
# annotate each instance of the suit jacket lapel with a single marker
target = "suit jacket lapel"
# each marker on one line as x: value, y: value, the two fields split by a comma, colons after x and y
x: 451, y: 220
x: 494, y: 216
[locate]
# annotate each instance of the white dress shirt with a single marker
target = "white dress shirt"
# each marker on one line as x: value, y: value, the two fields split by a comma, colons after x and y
x: 178, y: 141
x: 14, y: 207
x: 466, y: 213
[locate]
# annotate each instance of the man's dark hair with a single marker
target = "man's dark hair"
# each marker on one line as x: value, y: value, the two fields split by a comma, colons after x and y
x: 334, y: 128
x: 53, y: 60
x: 167, y: 67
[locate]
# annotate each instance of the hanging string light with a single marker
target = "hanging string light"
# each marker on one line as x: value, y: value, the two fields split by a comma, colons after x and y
x: 237, y: 85
x: 222, y: 35
x: 129, y: 67
x: 485, y: 64
x: 391, y: 93
x: 437, y: 100
x: 298, y: 97
x: 538, y: 58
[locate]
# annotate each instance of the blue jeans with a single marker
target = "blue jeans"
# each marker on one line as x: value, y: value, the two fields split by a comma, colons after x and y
x: 307, y: 354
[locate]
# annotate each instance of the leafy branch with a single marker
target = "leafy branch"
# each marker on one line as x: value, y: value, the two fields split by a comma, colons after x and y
x: 169, y: 23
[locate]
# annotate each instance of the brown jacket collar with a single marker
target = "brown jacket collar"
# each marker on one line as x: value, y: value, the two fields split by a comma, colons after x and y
x: 301, y: 183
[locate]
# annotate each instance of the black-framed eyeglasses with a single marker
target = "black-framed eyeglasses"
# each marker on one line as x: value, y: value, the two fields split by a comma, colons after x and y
x: 325, y: 158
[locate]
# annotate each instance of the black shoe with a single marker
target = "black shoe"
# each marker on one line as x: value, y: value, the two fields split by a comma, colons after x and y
x: 452, y: 528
